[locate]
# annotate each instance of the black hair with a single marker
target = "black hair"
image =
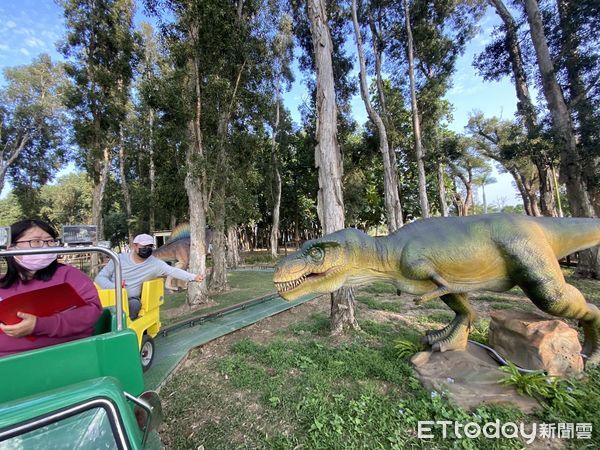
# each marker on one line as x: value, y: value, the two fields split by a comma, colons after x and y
x: 14, y: 270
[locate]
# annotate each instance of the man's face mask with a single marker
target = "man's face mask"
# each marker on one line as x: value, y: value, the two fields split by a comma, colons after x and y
x: 145, y: 252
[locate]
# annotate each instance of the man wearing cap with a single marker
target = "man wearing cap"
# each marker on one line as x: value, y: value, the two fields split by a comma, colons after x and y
x: 138, y: 266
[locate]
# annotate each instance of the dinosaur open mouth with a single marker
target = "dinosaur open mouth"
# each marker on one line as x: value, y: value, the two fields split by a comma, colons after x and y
x: 285, y: 286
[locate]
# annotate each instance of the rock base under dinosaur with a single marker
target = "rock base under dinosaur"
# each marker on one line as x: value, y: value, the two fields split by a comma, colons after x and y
x: 469, y: 378
x: 535, y: 342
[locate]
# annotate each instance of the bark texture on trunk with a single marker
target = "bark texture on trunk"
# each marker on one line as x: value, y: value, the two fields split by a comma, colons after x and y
x: 276, y: 186
x: 124, y: 184
x: 103, y: 171
x: 152, y: 172
x: 442, y: 190
x: 233, y: 247
x: 377, y: 51
x: 390, y: 184
x: 195, y: 185
x: 419, y: 154
x: 218, y: 277
x: 328, y: 158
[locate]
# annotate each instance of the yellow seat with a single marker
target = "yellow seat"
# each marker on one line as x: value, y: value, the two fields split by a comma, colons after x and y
x: 108, y: 298
x: 148, y: 320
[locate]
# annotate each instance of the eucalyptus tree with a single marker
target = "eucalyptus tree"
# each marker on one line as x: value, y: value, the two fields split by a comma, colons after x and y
x: 429, y: 38
x: 575, y: 40
x: 99, y: 48
x: 505, y: 142
x: 466, y: 166
x: 504, y: 56
x: 390, y: 179
x: 410, y: 57
x: 379, y: 25
x: 319, y: 54
x: 565, y: 135
x: 562, y: 123
x: 215, y: 57
x: 485, y: 179
x: 281, y: 49
x: 184, y: 39
x: 32, y: 128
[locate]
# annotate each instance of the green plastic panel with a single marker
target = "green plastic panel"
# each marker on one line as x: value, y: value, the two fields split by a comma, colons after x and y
x: 68, y: 432
x: 112, y: 354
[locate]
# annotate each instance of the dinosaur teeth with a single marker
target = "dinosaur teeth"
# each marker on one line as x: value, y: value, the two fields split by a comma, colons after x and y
x: 289, y: 285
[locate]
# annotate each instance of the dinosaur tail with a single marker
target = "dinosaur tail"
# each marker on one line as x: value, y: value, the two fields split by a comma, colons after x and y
x: 569, y: 235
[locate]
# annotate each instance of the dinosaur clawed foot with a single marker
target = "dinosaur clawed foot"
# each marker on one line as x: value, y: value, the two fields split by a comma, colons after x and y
x: 433, y: 336
x: 452, y: 337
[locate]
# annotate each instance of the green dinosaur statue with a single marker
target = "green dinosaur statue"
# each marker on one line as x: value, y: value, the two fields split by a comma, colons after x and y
x: 449, y: 257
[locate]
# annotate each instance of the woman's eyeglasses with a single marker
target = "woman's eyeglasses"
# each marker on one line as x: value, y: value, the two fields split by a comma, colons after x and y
x: 38, y: 243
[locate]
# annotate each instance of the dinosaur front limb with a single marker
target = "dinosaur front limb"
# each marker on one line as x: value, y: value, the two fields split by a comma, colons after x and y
x: 455, y: 335
x: 443, y: 290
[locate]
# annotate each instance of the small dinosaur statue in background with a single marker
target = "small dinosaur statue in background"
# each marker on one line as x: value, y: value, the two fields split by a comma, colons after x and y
x: 177, y: 250
x: 449, y: 257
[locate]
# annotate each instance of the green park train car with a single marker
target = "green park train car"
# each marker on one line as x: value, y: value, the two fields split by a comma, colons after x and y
x: 83, y: 394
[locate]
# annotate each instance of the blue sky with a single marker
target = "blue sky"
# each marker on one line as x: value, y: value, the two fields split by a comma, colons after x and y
x: 31, y: 27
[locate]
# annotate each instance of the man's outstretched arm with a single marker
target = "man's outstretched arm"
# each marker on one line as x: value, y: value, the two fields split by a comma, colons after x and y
x: 180, y: 274
x: 106, y: 277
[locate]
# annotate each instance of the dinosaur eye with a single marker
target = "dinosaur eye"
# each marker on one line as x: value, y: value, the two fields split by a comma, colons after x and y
x: 316, y: 253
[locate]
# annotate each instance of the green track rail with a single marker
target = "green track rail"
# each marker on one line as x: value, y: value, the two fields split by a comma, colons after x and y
x: 175, y: 341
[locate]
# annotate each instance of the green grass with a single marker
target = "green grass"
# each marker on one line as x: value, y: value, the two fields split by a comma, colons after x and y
x: 311, y: 394
x: 244, y: 286
x: 373, y: 303
x: 380, y: 288
x: 301, y: 388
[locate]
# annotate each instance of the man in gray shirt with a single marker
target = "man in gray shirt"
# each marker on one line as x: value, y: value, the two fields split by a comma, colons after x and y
x: 138, y: 266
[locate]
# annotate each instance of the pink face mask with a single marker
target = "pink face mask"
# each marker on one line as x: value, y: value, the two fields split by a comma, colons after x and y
x: 35, y: 262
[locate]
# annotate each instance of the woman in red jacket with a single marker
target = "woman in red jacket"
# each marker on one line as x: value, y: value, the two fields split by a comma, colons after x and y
x: 31, y: 272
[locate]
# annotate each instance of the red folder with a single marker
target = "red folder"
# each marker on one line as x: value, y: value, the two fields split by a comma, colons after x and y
x: 40, y: 302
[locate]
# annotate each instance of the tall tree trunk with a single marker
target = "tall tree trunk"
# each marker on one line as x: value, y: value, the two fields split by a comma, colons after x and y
x: 377, y: 51
x: 484, y: 199
x: 589, y: 261
x: 276, y: 186
x: 571, y: 169
x: 103, y: 171
x: 442, y: 190
x: 419, y: 154
x: 217, y: 281
x: 527, y: 191
x: 9, y: 155
x: 152, y: 173
x: 525, y: 108
x: 124, y: 184
x: 233, y: 247
x: 391, y: 198
x: 195, y: 183
x: 218, y: 278
x: 328, y: 158
x: 562, y: 126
